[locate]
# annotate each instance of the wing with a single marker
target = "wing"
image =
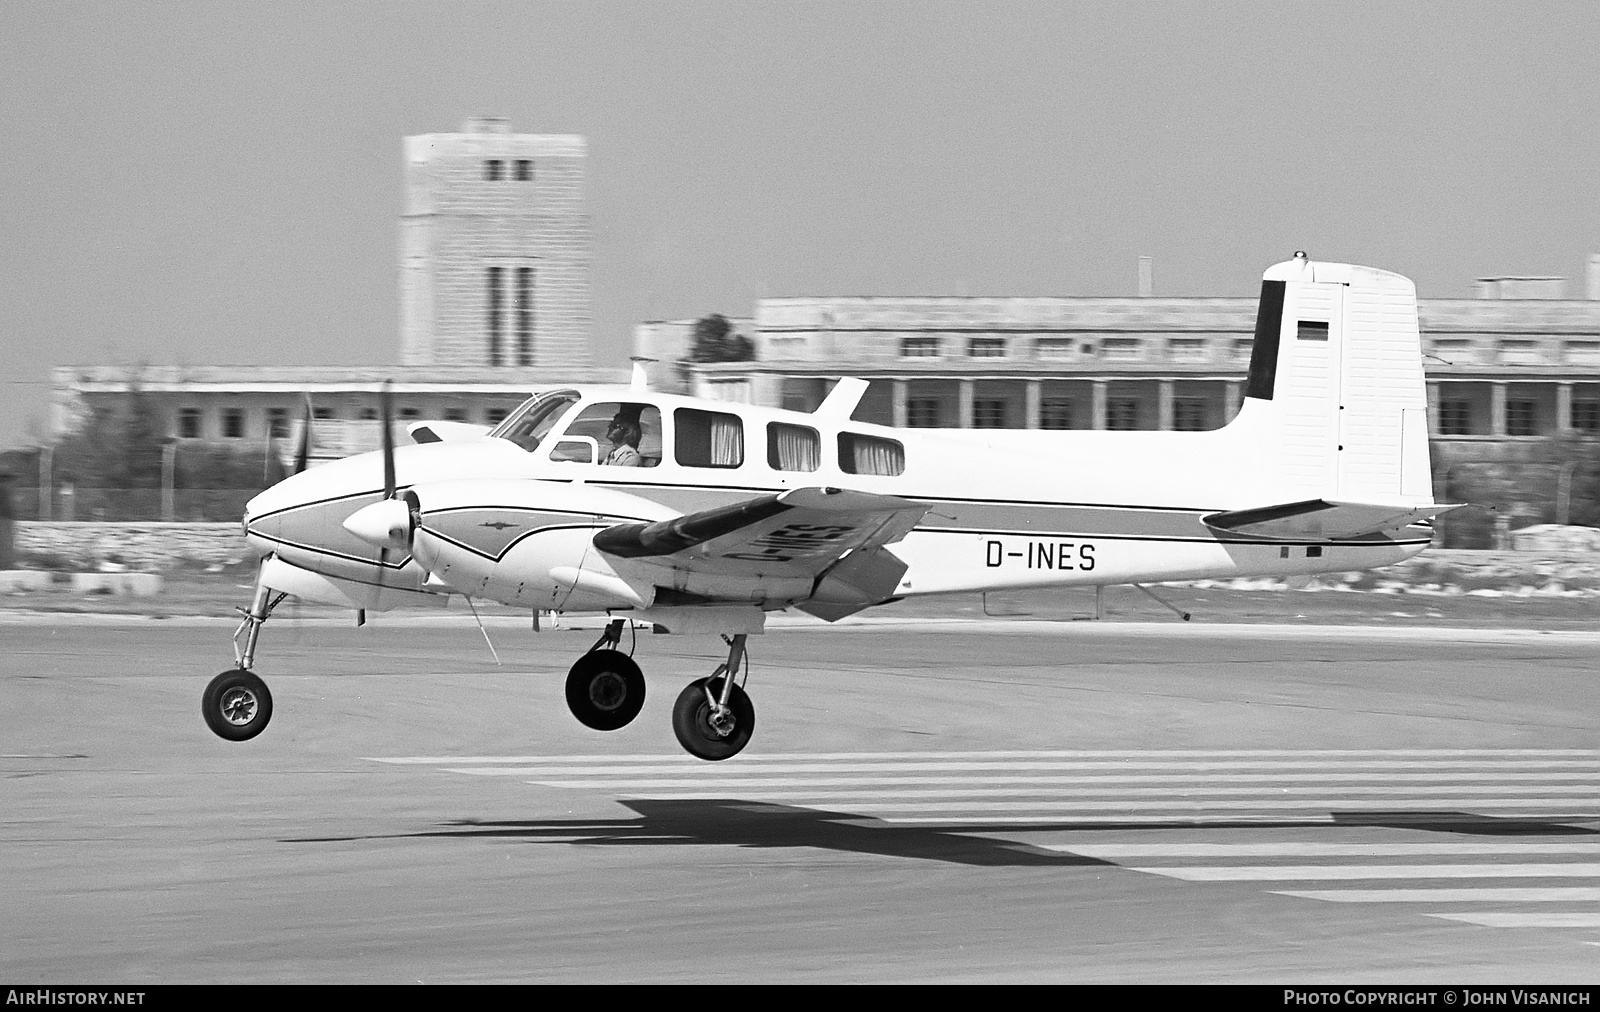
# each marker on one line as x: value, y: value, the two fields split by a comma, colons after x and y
x: 1319, y: 519
x: 822, y: 548
x: 799, y: 532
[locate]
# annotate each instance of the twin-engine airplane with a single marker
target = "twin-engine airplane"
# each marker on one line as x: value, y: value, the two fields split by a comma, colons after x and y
x: 706, y: 516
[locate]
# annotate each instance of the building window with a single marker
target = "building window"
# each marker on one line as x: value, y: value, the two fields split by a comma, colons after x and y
x: 1122, y: 414
x: 410, y: 413
x: 988, y: 413
x: 1242, y: 346
x: 369, y: 414
x: 1586, y: 416
x: 1055, y: 413
x: 494, y: 416
x: 1520, y: 418
x: 492, y: 170
x: 233, y: 423
x: 1122, y: 348
x: 1187, y: 349
x: 986, y: 347
x: 922, y: 413
x: 793, y: 447
x: 324, y: 413
x: 278, y: 423
x: 1455, y: 418
x: 859, y: 454
x: 922, y: 346
x: 524, y: 315
x: 524, y: 170
x: 496, y: 298
x: 1188, y: 414
x: 1055, y: 347
x: 455, y: 414
x: 1520, y: 353
x: 188, y: 423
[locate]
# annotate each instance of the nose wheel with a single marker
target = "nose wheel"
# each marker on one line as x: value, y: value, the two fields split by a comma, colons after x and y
x: 236, y: 705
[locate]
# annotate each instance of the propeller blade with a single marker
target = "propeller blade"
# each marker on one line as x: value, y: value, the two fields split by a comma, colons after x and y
x: 387, y: 410
x: 302, y: 456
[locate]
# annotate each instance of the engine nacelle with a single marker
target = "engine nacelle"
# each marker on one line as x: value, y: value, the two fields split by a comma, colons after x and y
x: 528, y: 543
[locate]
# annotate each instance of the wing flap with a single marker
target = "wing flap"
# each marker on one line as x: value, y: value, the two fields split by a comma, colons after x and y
x: 1322, y: 520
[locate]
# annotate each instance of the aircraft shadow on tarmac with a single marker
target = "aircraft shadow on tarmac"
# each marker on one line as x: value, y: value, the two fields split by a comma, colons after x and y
x: 736, y: 823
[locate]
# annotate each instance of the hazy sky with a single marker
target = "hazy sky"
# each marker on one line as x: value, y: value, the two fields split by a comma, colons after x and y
x: 220, y: 182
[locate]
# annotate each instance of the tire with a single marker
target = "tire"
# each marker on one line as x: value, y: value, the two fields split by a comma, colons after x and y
x: 236, y: 705
x: 691, y: 721
x: 605, y: 690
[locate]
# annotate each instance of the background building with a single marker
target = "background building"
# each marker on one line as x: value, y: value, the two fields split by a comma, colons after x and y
x: 494, y: 252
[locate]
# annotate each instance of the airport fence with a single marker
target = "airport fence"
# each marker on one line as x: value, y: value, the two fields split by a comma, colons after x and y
x: 179, y: 505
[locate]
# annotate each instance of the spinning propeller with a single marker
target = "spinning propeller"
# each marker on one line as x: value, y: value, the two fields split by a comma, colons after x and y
x: 389, y: 523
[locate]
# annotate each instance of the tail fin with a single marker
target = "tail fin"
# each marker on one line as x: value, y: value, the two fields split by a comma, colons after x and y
x: 1336, y: 391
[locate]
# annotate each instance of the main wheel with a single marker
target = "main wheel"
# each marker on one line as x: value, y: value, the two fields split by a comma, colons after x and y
x: 697, y: 729
x: 236, y: 705
x: 605, y: 689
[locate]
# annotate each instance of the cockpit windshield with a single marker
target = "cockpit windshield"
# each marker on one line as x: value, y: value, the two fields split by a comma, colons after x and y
x: 533, y: 421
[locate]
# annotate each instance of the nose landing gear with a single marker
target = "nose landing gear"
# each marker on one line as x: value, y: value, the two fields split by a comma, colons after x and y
x: 236, y: 704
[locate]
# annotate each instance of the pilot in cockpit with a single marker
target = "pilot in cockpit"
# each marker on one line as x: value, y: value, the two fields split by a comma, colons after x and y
x: 624, y: 433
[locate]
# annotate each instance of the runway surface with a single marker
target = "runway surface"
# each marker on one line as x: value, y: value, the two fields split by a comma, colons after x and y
x: 976, y: 801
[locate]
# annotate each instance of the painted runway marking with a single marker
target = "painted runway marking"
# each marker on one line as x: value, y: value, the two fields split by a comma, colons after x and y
x: 1336, y: 872
x: 1391, y: 791
x: 1491, y: 919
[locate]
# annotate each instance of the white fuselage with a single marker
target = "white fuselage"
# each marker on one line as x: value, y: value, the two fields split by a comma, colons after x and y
x: 1008, y: 508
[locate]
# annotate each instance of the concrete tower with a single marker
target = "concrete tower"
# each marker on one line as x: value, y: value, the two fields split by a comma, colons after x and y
x: 494, y: 250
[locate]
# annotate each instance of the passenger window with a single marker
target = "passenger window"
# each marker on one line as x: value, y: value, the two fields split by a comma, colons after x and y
x: 860, y: 454
x: 708, y: 438
x: 793, y: 447
x: 624, y: 434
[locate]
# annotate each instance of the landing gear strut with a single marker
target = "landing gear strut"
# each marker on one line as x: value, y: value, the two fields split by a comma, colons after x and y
x: 713, y: 717
x: 605, y: 689
x: 236, y: 704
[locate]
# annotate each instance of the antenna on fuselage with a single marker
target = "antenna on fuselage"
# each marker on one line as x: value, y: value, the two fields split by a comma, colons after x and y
x: 842, y: 399
x: 641, y: 379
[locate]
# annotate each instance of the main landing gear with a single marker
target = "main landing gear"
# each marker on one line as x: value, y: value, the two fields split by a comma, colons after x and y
x: 713, y: 717
x: 236, y: 704
x: 605, y: 689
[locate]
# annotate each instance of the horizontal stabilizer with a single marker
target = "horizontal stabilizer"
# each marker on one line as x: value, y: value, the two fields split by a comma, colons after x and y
x: 1321, y: 520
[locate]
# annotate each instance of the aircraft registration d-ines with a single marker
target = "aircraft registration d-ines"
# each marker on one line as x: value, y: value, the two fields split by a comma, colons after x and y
x: 706, y: 516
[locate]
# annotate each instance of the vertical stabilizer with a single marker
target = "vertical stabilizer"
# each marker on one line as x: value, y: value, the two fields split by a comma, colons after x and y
x: 1336, y: 391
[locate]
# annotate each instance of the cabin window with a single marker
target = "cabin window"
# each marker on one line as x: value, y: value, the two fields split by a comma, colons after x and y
x: 624, y: 434
x: 534, y: 420
x: 793, y: 447
x: 860, y: 454
x: 708, y: 438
